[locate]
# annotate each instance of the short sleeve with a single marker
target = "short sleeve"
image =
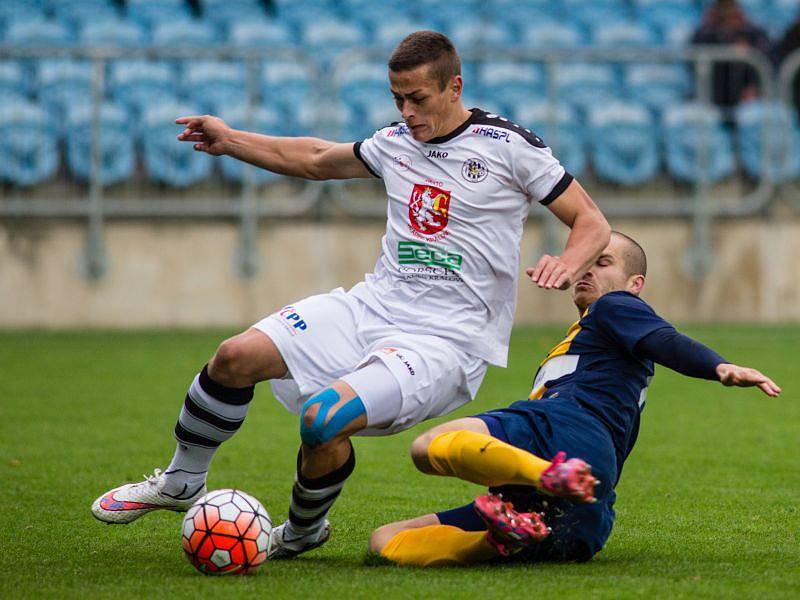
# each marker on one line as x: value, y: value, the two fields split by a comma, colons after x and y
x: 626, y: 319
x: 538, y: 172
x: 369, y: 153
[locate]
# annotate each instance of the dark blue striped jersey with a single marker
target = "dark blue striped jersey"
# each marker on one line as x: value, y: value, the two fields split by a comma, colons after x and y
x: 597, y: 365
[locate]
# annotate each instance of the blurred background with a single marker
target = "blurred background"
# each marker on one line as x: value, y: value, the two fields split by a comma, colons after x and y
x: 680, y: 117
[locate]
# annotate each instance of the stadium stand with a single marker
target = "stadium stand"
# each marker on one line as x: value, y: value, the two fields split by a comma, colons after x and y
x: 139, y: 83
x: 117, y: 156
x: 782, y: 136
x: 696, y: 143
x: 261, y: 120
x: 29, y: 153
x: 567, y: 140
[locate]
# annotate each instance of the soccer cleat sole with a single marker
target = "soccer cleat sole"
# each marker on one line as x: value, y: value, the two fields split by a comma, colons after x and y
x: 281, y: 552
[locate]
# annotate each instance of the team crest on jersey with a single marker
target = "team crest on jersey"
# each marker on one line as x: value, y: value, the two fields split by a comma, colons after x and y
x: 402, y: 162
x: 474, y: 170
x: 428, y: 209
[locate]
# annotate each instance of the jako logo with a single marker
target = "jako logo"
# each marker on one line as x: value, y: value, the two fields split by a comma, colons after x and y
x: 290, y: 315
x: 436, y: 154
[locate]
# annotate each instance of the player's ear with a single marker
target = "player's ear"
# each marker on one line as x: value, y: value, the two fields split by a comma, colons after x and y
x: 636, y: 284
x: 456, y: 86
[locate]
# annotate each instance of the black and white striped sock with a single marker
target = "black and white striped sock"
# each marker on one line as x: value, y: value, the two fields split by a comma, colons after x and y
x: 313, y: 498
x: 211, y: 414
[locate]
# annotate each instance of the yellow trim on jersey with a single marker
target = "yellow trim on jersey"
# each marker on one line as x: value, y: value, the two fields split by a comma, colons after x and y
x: 559, y: 350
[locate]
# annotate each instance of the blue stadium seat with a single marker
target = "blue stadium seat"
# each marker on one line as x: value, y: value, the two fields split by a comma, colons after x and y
x: 213, y: 85
x: 37, y: 33
x: 12, y: 78
x: 389, y: 34
x: 259, y: 33
x: 166, y: 160
x: 657, y: 85
x: 560, y: 128
x: 365, y: 84
x: 77, y: 13
x: 372, y: 14
x: 524, y: 13
x: 326, y: 38
x: 29, y: 153
x: 364, y: 125
x: 301, y: 12
x: 152, y: 12
x: 678, y: 35
x: 183, y: 32
x: 117, y: 159
x: 777, y: 124
x: 122, y: 33
x: 665, y: 14
x: 138, y: 83
x: 20, y: 11
x: 624, y: 34
x: 285, y: 84
x: 692, y: 131
x: 445, y: 12
x: 624, y: 143
x: 585, y: 85
x: 222, y: 12
x: 543, y: 35
x: 509, y: 83
x: 63, y: 83
x: 476, y: 34
x: 262, y: 120
x: 596, y: 11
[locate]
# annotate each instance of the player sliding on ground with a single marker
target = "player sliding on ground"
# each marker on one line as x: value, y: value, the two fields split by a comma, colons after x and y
x: 413, y: 340
x: 586, y: 402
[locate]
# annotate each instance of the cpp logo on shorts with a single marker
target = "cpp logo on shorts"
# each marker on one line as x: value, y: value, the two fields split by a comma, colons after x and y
x: 292, y: 318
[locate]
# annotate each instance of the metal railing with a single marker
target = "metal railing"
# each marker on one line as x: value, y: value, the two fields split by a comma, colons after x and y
x: 97, y: 206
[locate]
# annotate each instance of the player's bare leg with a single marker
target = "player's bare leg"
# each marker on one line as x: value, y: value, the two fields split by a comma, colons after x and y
x: 214, y: 409
x: 464, y: 449
x: 325, y: 461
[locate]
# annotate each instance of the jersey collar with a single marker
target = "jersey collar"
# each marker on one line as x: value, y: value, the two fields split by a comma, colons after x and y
x: 457, y: 131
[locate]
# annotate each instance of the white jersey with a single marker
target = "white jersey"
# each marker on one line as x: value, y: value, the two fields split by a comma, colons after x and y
x: 457, y: 205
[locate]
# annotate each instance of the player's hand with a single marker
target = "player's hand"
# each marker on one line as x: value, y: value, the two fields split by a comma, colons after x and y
x: 209, y: 134
x: 551, y: 273
x: 746, y: 377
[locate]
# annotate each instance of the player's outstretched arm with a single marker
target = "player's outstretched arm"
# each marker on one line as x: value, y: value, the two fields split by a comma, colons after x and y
x: 306, y: 157
x: 734, y: 375
x: 588, y: 237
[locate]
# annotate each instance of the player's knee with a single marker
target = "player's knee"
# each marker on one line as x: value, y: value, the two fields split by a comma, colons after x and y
x: 228, y: 365
x: 321, y: 423
x: 378, y: 540
x: 419, y: 452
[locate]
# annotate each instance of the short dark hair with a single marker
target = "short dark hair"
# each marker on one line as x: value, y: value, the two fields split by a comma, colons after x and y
x: 427, y: 48
x: 634, y: 256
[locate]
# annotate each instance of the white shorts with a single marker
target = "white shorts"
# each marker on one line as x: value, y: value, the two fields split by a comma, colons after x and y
x: 324, y: 338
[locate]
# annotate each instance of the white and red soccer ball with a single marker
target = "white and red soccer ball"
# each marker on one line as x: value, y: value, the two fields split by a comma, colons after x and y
x: 226, y: 532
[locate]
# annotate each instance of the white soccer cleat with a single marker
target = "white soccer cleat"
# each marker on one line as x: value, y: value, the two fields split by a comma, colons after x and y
x: 132, y: 500
x: 289, y: 548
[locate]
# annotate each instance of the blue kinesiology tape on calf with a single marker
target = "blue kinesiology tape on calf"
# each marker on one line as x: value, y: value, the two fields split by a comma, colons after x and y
x: 320, y: 432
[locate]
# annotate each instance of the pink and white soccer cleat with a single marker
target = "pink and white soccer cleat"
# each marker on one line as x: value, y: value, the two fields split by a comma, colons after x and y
x: 509, y: 531
x: 132, y: 500
x: 571, y: 479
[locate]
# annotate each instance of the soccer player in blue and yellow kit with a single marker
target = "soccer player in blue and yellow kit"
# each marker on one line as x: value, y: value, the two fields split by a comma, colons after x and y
x: 587, y: 398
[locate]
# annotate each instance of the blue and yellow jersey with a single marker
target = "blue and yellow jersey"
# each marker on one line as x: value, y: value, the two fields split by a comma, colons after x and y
x: 597, y: 365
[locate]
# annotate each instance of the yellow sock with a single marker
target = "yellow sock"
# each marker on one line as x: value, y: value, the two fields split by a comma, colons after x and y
x: 438, y: 546
x: 482, y: 459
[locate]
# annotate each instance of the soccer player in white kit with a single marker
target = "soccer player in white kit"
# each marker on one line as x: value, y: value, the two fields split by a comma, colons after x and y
x: 413, y: 340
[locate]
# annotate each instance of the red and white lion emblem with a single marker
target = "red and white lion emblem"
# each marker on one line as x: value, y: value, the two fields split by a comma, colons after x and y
x: 428, y: 209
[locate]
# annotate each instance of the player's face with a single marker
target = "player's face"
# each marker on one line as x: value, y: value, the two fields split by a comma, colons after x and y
x: 426, y: 108
x: 608, y: 274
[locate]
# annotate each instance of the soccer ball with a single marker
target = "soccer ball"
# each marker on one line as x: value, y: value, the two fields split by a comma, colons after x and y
x: 225, y: 532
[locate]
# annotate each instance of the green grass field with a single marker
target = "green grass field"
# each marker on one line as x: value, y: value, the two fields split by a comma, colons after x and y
x: 707, y: 504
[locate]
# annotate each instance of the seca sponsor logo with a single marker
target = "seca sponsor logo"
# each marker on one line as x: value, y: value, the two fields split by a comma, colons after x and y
x: 430, y: 255
x: 402, y: 162
x: 290, y: 314
x: 436, y: 154
x: 494, y: 133
x: 398, y: 131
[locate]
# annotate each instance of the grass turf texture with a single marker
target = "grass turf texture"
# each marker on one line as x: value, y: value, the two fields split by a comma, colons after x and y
x: 707, y: 504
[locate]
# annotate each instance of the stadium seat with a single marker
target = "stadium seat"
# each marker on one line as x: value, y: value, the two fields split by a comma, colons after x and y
x: 117, y: 160
x: 389, y: 34
x: 365, y: 84
x: 510, y: 84
x: 12, y: 78
x: 776, y: 124
x: 374, y: 117
x: 585, y: 85
x: 657, y: 85
x: 165, y: 160
x: 63, y: 83
x: 372, y: 14
x: 77, y: 13
x: 37, y: 33
x: 544, y: 35
x: 299, y: 13
x: 286, y: 84
x: 692, y: 131
x: 588, y: 14
x: 183, y: 32
x: 524, y: 12
x: 113, y: 32
x: 213, y: 85
x: 262, y: 120
x: 679, y: 34
x: 20, y: 11
x: 476, y: 34
x: 326, y: 38
x: 623, y: 34
x: 222, y: 12
x: 665, y: 14
x: 444, y: 12
x: 29, y: 152
x: 138, y: 83
x: 561, y: 130
x: 623, y: 143
x: 259, y: 33
x: 152, y: 12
